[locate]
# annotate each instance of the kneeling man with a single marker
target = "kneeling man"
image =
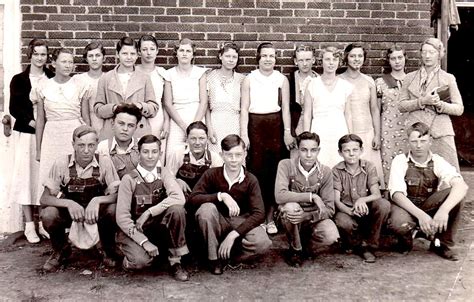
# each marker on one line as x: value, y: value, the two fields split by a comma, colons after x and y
x: 427, y: 192
x: 150, y: 211
x: 230, y: 208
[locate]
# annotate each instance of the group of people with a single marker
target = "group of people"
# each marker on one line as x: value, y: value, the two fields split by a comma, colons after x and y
x: 159, y: 157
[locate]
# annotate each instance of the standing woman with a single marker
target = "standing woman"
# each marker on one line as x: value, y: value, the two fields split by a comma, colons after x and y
x: 365, y: 111
x: 223, y: 88
x: 148, y: 49
x: 265, y: 124
x: 94, y: 54
x: 394, y: 138
x: 327, y: 107
x: 423, y: 104
x: 25, y: 168
x: 124, y: 84
x: 185, y: 95
x: 63, y: 105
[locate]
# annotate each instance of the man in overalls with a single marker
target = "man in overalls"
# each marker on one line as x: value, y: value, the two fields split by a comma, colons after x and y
x: 81, y: 187
x: 188, y: 165
x: 305, y: 194
x: 426, y: 192
x: 122, y: 148
x: 150, y: 213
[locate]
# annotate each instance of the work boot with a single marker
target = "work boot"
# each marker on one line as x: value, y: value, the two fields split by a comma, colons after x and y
x: 179, y: 273
x: 215, y: 267
x: 444, y: 251
x: 294, y: 258
x: 57, y: 259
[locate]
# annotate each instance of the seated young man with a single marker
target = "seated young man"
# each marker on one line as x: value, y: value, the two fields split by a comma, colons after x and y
x: 361, y: 210
x: 150, y: 212
x: 81, y: 187
x: 230, y: 208
x: 427, y: 192
x: 188, y: 165
x: 122, y: 147
x: 305, y: 195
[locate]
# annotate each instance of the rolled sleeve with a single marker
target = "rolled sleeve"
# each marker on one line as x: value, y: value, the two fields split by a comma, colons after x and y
x: 444, y: 171
x: 109, y: 174
x: 58, y: 175
x: 372, y: 175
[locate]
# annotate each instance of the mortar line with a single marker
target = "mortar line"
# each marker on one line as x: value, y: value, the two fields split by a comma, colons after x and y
x: 460, y: 270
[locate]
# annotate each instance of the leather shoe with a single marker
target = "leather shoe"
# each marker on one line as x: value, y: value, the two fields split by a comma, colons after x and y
x: 179, y: 273
x: 215, y: 267
x: 368, y: 256
x: 444, y: 251
x: 57, y: 259
x: 294, y: 258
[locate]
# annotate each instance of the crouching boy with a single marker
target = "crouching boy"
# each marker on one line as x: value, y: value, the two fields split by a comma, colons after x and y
x: 305, y: 195
x: 150, y: 211
x: 361, y: 210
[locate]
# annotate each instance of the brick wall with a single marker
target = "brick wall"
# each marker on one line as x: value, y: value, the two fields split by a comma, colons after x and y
x: 379, y: 23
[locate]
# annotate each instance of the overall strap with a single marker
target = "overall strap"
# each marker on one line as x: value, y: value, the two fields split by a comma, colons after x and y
x: 72, y: 169
x: 208, y: 158
x: 186, y: 159
x: 96, y: 170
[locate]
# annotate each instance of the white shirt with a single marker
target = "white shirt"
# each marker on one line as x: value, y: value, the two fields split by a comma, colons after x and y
x: 239, y: 179
x: 176, y: 160
x: 264, y: 91
x: 149, y: 176
x: 441, y: 168
x: 103, y: 147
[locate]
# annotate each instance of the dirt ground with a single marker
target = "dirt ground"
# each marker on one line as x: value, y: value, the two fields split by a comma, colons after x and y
x: 418, y: 276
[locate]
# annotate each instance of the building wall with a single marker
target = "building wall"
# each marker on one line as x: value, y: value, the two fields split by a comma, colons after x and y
x: 73, y: 23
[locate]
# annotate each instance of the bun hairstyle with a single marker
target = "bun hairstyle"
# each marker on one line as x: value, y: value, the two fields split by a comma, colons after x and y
x: 437, y: 44
x: 35, y: 43
x: 350, y: 47
x: 262, y: 46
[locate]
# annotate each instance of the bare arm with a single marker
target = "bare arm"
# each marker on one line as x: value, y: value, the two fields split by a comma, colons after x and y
x: 285, y: 108
x: 375, y: 112
x: 40, y: 122
x: 202, y: 98
x: 244, y: 110
x: 308, y: 110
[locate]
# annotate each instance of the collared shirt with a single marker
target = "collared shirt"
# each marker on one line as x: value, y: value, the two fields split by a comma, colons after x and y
x: 239, y: 179
x: 441, y: 168
x: 103, y: 147
x: 354, y: 185
x: 59, y: 173
x: 176, y: 160
x: 307, y: 174
x: 149, y: 176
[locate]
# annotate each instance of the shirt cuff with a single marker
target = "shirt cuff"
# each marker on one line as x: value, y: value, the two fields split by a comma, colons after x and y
x: 143, y: 242
x: 219, y: 196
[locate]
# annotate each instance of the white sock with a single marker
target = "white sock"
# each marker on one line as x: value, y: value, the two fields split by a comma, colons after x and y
x: 174, y: 259
x: 30, y: 225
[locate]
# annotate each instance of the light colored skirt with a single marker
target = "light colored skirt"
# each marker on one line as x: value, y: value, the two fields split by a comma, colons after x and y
x: 177, y: 137
x: 56, y: 143
x: 25, y: 169
x: 224, y: 122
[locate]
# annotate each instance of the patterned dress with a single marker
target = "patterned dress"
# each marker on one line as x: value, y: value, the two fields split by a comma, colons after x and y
x: 224, y: 104
x: 393, y: 122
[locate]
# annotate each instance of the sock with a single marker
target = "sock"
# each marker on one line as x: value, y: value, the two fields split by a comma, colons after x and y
x: 174, y: 259
x: 30, y: 225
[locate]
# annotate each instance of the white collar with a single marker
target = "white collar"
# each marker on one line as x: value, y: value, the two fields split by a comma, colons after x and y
x: 425, y: 163
x: 93, y: 163
x: 144, y: 172
x: 239, y: 179
x: 114, y: 145
x: 305, y: 173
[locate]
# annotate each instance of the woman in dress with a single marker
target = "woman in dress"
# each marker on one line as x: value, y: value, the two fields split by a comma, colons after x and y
x: 185, y: 94
x: 265, y: 124
x: 304, y: 59
x: 148, y: 49
x: 25, y: 167
x: 394, y: 138
x: 327, y: 107
x: 94, y: 54
x: 63, y: 105
x: 421, y: 98
x: 125, y: 84
x: 365, y: 111
x: 223, y: 88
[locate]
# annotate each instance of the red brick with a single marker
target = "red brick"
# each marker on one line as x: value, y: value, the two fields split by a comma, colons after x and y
x: 144, y: 19
x: 347, y: 38
x: 394, y: 6
x: 100, y: 10
x: 344, y: 5
x: 256, y: 12
x: 242, y: 20
x: 192, y: 19
x: 231, y: 28
x: 60, y: 35
x: 394, y: 22
x: 127, y: 10
x: 369, y: 6
x: 113, y: 35
x: 194, y: 36
x: 213, y: 19
x: 167, y: 36
x: 219, y: 36
x: 382, y: 14
x: 193, y: 3
x: 45, y: 9
x: 138, y: 2
x: 46, y: 25
x: 229, y: 12
x: 112, y: 2
x: 245, y: 37
x: 88, y: 17
x: 153, y: 27
x: 87, y: 35
x: 204, y: 11
x: 206, y: 27
x: 83, y: 2
x: 178, y: 11
x: 101, y: 26
x: 164, y: 2
x: 179, y: 27
x: 114, y: 18
x: 385, y: 30
x: 35, y: 17
x: 407, y: 15
x: 271, y: 37
x: 357, y: 14
x: 419, y: 7
x: 285, y: 29
x: 166, y: 19
x: 298, y: 37
x: 33, y: 34
x: 307, y: 13
x: 72, y: 9
x: 73, y: 26
x: 25, y: 9
x: 319, y: 5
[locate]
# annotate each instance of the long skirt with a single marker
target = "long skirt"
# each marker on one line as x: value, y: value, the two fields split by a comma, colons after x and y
x: 177, y: 137
x: 267, y: 148
x: 224, y: 122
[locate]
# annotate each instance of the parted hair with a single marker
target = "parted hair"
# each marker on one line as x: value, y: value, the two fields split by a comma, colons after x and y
x: 148, y: 139
x: 262, y: 46
x: 128, y: 108
x: 349, y: 138
x: 231, y: 141
x: 196, y: 125
x: 350, y: 47
x: 419, y: 127
x: 83, y: 130
x: 126, y: 41
x: 59, y: 51
x: 92, y: 46
x: 306, y: 135
x: 35, y: 43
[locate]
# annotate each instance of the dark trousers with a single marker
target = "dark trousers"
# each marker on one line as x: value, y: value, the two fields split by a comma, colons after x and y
x: 356, y: 231
x: 56, y: 220
x: 401, y: 222
x: 164, y: 230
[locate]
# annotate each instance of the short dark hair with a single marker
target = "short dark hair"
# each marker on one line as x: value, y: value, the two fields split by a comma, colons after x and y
x: 185, y: 41
x: 231, y: 141
x: 83, y: 130
x: 225, y: 47
x: 303, y: 47
x: 126, y: 41
x: 91, y: 46
x: 59, y: 51
x: 262, y: 46
x: 306, y: 135
x: 196, y: 125
x: 147, y: 38
x: 392, y: 49
x: 128, y: 108
x: 148, y: 139
x: 419, y: 127
x: 35, y: 43
x: 349, y: 138
x: 350, y: 47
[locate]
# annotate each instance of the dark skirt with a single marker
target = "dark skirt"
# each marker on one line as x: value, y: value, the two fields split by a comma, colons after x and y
x: 267, y: 148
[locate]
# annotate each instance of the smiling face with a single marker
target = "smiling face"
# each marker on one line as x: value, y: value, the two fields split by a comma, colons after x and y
x: 124, y: 126
x: 397, y: 60
x: 429, y: 56
x: 185, y: 54
x: 95, y: 59
x: 64, y: 64
x: 304, y: 60
x: 229, y: 59
x: 128, y: 56
x: 330, y: 62
x: 267, y: 59
x: 197, y: 141
x: 355, y: 58
x: 308, y: 151
x: 148, y: 51
x: 149, y: 155
x: 39, y: 57
x: 234, y: 158
x: 351, y: 152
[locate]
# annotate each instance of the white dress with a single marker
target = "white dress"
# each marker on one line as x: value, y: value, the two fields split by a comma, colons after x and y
x: 62, y: 106
x: 328, y: 120
x: 185, y: 91
x: 224, y: 104
x: 85, y: 80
